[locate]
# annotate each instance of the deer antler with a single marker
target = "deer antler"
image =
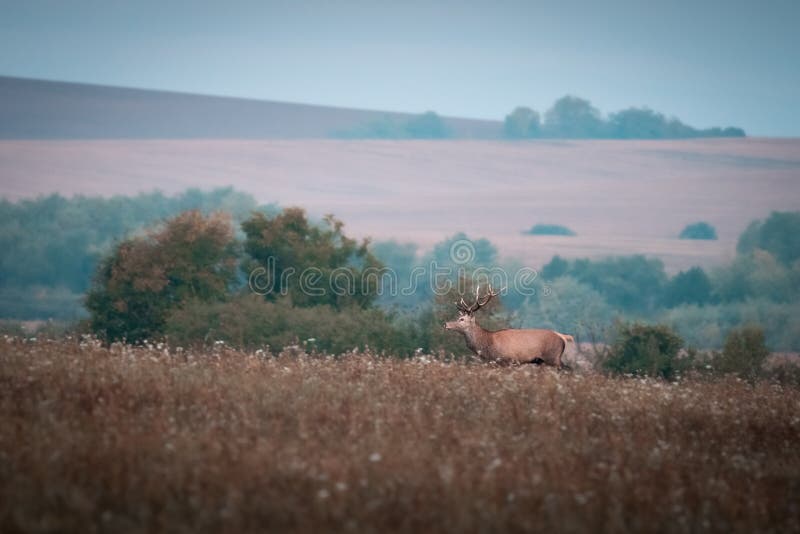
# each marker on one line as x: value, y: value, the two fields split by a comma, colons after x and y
x: 479, y: 303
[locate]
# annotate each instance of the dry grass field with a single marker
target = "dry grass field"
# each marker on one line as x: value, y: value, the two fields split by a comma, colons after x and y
x: 127, y: 439
x: 621, y: 197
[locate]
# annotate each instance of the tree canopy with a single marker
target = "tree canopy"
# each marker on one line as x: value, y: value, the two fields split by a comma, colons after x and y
x: 312, y: 264
x: 522, y: 123
x: 571, y: 117
x: 779, y: 235
x: 191, y: 257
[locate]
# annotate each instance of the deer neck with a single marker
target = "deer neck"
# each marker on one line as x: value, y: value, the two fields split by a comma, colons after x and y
x: 478, y: 340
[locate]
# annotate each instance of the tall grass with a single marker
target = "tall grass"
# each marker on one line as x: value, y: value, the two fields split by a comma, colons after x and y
x: 125, y: 439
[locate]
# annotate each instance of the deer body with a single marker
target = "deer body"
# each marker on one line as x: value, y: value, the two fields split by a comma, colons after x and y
x: 510, y: 345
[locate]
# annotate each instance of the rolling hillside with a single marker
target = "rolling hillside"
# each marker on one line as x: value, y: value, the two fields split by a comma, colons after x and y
x: 36, y: 109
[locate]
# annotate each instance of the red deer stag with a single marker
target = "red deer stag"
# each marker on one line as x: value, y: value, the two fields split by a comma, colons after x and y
x: 509, y: 346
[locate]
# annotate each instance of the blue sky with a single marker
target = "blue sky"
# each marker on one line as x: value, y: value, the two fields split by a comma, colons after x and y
x: 713, y: 63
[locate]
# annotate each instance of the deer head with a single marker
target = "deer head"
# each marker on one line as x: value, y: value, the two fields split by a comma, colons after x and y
x: 466, y: 312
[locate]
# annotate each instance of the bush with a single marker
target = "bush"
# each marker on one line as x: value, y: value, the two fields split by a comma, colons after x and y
x: 744, y: 353
x: 786, y: 373
x: 645, y: 350
x: 549, y: 229
x: 699, y: 230
x: 250, y: 322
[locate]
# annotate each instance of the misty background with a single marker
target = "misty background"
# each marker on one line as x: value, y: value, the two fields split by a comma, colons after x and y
x: 712, y: 63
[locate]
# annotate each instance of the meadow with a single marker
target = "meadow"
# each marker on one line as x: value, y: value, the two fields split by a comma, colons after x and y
x: 134, y: 439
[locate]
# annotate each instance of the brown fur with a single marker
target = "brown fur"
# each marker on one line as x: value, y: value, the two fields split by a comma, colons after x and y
x: 511, y: 345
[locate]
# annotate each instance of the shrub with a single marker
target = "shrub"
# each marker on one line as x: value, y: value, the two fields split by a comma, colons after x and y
x: 549, y: 229
x: 699, y: 230
x: 249, y: 321
x: 787, y: 373
x: 645, y: 350
x: 744, y: 353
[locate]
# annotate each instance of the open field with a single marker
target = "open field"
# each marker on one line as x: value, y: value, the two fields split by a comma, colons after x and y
x: 40, y: 109
x: 620, y: 197
x: 131, y: 440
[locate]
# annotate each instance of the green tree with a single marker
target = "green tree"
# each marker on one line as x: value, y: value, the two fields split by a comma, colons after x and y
x: 312, y: 264
x: 191, y: 257
x: 698, y: 230
x: 522, y: 123
x: 574, y: 118
x: 429, y: 125
x: 557, y: 266
x: 757, y: 275
x: 460, y: 250
x: 688, y: 287
x: 779, y: 235
x: 549, y: 229
x: 567, y: 306
x: 632, y: 283
x: 639, y: 123
x: 52, y: 245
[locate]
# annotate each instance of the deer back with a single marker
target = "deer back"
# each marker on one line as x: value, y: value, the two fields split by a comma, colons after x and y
x: 527, y: 345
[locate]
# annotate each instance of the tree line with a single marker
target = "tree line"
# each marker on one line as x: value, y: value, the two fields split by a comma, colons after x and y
x: 52, y: 245
x: 186, y: 275
x: 572, y: 117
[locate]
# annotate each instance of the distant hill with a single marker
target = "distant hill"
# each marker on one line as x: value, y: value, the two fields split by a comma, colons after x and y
x: 37, y: 109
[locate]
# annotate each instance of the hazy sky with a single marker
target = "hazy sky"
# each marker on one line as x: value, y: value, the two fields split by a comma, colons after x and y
x: 719, y: 62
